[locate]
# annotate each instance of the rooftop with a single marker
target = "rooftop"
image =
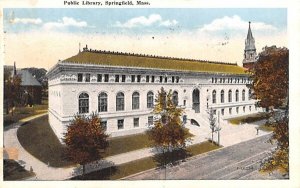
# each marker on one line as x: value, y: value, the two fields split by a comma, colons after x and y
x: 88, y: 56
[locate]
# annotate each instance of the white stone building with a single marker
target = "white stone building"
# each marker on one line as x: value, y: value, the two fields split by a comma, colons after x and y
x: 121, y: 88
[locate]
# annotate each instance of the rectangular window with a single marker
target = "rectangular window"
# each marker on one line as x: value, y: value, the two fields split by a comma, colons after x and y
x: 166, y: 79
x: 150, y: 120
x: 99, y: 77
x: 160, y: 79
x: 79, y: 77
x: 152, y: 79
x: 136, y: 122
x: 230, y: 111
x: 184, y: 102
x: 132, y: 78
x: 147, y: 78
x: 87, y: 77
x: 123, y: 78
x: 222, y: 112
x: 120, y: 124
x: 237, y: 110
x: 117, y: 78
x: 138, y: 77
x: 104, y: 125
x: 173, y: 79
x: 106, y: 77
x: 215, y: 112
x: 177, y: 79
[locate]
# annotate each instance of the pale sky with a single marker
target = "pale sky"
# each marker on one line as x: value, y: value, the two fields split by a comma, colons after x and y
x: 41, y: 37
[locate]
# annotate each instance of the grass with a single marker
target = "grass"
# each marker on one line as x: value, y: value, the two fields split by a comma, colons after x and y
x: 266, y: 128
x: 248, y: 118
x: 38, y: 139
x: 23, y: 112
x: 126, y: 169
x: 14, y: 171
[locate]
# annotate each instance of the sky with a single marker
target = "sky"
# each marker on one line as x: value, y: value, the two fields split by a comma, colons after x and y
x: 40, y: 37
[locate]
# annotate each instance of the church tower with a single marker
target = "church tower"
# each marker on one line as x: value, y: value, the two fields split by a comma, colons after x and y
x: 250, y: 50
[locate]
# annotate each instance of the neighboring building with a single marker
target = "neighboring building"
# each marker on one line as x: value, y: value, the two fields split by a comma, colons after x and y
x: 250, y: 56
x: 121, y: 88
x: 31, y: 88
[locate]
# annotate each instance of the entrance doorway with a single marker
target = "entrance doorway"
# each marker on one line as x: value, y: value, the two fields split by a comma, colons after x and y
x: 196, y: 100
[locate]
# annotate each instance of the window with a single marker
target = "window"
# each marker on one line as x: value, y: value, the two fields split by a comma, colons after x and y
x: 173, y: 79
x: 175, y: 98
x: 222, y: 96
x: 244, y: 109
x: 138, y: 78
x: 150, y: 120
x: 215, y: 112
x: 106, y: 77
x: 237, y: 95
x: 102, y: 102
x: 147, y: 78
x: 152, y: 78
x: 229, y: 96
x: 120, y: 123
x: 123, y: 78
x: 120, y: 101
x: 160, y: 79
x: 104, y: 125
x: 243, y: 95
x: 237, y: 110
x: 184, y: 102
x: 230, y: 111
x: 177, y: 79
x: 250, y: 108
x: 136, y: 122
x: 87, y: 77
x: 212, y: 80
x: 249, y: 94
x: 132, y: 78
x: 99, y: 77
x: 79, y: 77
x: 83, y: 103
x: 150, y: 99
x: 117, y: 78
x: 166, y: 79
x: 222, y: 112
x: 214, y: 96
x: 135, y: 100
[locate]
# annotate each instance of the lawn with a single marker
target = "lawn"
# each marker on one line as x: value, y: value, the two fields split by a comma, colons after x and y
x: 38, y: 139
x: 23, y: 112
x: 13, y: 171
x: 126, y: 169
x: 248, y: 118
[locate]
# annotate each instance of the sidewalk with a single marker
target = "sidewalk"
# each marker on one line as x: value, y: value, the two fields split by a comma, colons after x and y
x: 230, y: 135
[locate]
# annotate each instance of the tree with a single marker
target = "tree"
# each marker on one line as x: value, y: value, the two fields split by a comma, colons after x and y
x: 212, y: 123
x: 12, y: 91
x: 271, y: 86
x: 168, y: 132
x: 85, y: 139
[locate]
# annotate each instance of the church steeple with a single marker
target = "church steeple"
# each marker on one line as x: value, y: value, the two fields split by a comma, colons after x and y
x: 250, y: 50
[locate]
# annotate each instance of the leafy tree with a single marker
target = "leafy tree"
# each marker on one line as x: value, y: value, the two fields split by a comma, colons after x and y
x: 85, y: 139
x: 212, y: 123
x: 12, y: 91
x: 271, y: 86
x: 168, y: 132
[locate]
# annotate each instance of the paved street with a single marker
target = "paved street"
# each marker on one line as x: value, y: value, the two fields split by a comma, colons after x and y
x: 240, y: 161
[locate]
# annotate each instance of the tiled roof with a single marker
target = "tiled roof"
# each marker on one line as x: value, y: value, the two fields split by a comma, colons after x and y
x: 156, y: 62
x: 28, y: 79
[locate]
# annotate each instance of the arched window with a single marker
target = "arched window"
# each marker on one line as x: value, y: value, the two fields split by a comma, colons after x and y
x: 102, y: 102
x: 135, y: 100
x: 214, y: 96
x: 243, y: 95
x: 222, y: 96
x: 175, y: 98
x: 120, y: 101
x: 150, y: 100
x: 83, y: 103
x: 237, y: 95
x: 229, y: 96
